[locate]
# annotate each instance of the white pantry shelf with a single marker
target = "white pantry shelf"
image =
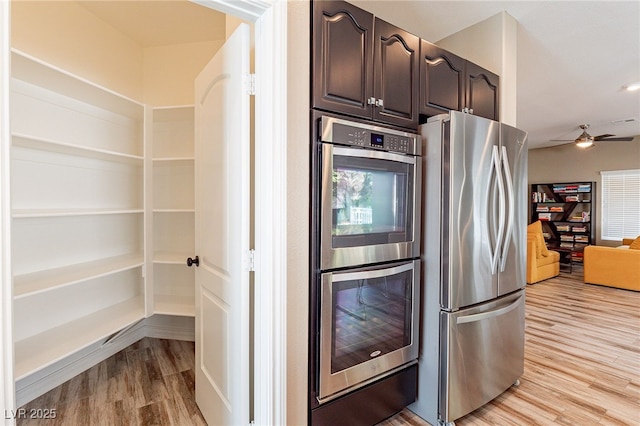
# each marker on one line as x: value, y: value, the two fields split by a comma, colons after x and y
x: 49, y: 279
x: 174, y: 210
x: 44, y: 349
x: 50, y: 145
x: 38, y: 213
x: 34, y: 71
x: 160, y: 160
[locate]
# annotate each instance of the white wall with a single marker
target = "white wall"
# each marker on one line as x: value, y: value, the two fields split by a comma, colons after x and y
x: 567, y: 163
x: 169, y: 71
x: 70, y: 37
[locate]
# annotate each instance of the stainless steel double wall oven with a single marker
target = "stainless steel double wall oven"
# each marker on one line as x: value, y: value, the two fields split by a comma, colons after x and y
x: 365, y: 289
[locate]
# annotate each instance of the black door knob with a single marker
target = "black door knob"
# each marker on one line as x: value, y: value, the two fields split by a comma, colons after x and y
x: 191, y: 261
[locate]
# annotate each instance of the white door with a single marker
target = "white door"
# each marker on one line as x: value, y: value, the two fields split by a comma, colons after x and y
x: 222, y: 234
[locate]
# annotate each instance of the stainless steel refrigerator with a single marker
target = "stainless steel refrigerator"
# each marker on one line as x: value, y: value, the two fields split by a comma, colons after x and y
x: 474, y: 261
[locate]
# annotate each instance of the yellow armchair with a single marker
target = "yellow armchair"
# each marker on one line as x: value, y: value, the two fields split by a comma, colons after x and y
x: 541, y: 262
x: 613, y: 267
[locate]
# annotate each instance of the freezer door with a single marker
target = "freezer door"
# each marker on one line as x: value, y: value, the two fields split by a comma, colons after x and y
x: 513, y: 161
x: 481, y: 354
x: 470, y: 211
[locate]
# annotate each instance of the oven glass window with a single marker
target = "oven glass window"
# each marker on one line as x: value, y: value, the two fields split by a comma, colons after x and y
x: 370, y: 201
x: 370, y: 317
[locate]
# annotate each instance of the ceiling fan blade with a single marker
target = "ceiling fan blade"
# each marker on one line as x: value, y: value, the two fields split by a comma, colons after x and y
x: 606, y: 135
x: 607, y: 139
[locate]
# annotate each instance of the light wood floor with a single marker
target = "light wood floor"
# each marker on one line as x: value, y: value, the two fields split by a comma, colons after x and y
x: 582, y: 367
x: 582, y: 360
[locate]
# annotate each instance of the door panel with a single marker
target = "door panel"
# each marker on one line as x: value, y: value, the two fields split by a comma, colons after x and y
x: 482, y: 353
x: 469, y: 216
x: 482, y: 92
x: 342, y: 58
x: 222, y: 234
x: 396, y: 75
x: 441, y: 80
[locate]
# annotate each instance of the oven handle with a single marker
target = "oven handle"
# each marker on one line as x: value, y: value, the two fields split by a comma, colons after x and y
x: 376, y: 273
x: 378, y: 155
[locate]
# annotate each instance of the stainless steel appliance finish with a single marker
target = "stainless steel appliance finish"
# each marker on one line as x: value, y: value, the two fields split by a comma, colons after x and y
x: 370, y: 194
x: 369, y: 324
x: 474, y: 262
x: 481, y: 354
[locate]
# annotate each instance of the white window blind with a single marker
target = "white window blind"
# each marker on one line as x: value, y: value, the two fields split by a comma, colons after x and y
x: 620, y: 204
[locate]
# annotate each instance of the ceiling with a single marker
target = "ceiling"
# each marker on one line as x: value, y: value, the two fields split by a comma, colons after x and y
x: 574, y: 57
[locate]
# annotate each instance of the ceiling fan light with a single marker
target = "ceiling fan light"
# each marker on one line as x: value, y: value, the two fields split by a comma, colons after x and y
x: 584, y: 142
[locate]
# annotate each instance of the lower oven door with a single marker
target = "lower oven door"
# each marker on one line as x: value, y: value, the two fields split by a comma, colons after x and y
x: 368, y: 324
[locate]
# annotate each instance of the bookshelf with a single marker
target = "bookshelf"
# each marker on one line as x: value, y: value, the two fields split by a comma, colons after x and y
x: 566, y: 212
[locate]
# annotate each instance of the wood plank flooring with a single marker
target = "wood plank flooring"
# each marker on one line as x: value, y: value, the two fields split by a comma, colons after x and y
x: 582, y: 367
x: 582, y: 360
x: 148, y: 383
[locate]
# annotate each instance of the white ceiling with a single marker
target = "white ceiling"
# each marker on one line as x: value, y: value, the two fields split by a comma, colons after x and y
x: 574, y: 57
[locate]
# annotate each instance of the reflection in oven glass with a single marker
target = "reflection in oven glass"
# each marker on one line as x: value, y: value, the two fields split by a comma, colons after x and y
x: 371, y: 317
x: 368, y: 201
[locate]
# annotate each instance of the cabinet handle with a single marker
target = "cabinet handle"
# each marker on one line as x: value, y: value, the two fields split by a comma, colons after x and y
x: 379, y: 103
x: 371, y: 101
x: 191, y: 261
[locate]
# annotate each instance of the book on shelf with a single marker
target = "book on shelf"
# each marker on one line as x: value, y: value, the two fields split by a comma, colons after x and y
x: 566, y: 245
x: 546, y: 235
x: 584, y: 187
x: 566, y: 237
x: 572, y: 198
x: 563, y: 228
x: 542, y: 208
x: 556, y: 209
x: 581, y: 239
x: 579, y: 229
x: 544, y: 216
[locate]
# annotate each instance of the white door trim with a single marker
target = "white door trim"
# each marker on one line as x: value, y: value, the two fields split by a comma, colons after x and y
x: 7, y: 394
x: 270, y: 366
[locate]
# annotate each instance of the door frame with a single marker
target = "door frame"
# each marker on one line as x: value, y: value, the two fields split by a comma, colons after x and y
x: 7, y: 390
x: 270, y: 276
x: 270, y: 370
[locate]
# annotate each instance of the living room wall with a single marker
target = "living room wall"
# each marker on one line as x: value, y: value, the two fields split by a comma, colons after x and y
x: 567, y: 163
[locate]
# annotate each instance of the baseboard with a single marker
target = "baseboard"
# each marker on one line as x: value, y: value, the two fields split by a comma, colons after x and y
x: 156, y: 326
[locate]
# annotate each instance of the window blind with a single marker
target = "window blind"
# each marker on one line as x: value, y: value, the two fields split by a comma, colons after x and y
x: 620, y: 204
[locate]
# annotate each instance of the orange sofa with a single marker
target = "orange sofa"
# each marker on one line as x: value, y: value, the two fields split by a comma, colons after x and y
x: 541, y: 262
x: 613, y: 266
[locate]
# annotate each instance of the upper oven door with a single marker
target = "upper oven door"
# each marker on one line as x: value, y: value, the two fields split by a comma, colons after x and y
x: 369, y: 206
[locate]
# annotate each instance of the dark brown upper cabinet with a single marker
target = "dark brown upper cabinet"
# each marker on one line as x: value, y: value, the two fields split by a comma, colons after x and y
x: 363, y: 66
x: 342, y: 60
x: 449, y: 82
x: 442, y: 80
x: 482, y: 92
x: 396, y: 74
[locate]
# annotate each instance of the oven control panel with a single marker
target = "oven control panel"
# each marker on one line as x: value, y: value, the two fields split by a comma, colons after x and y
x: 344, y: 132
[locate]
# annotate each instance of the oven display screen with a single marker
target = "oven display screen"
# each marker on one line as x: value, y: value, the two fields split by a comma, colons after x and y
x: 377, y: 140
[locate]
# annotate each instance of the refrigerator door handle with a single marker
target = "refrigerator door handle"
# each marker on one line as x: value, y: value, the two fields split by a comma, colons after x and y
x: 490, y: 314
x: 501, y: 213
x: 510, y: 207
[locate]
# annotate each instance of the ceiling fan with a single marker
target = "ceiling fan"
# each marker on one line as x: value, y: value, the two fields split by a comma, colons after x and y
x: 585, y: 140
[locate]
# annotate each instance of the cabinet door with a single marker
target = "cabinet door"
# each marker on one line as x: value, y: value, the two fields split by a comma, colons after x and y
x: 342, y: 58
x: 396, y: 55
x: 441, y: 80
x: 482, y: 92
